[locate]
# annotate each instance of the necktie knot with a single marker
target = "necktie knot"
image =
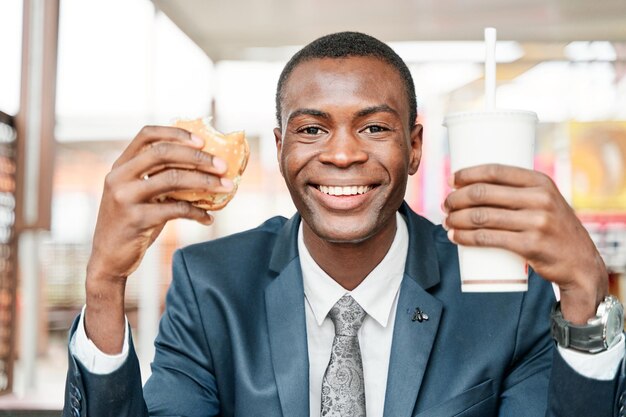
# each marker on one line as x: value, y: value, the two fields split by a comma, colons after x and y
x: 347, y: 316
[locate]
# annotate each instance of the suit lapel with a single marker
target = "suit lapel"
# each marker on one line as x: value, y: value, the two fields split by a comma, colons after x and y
x: 412, y: 344
x: 284, y: 300
x: 413, y: 340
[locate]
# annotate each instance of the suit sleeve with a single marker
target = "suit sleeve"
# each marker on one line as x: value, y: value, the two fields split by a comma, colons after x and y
x: 573, y: 394
x: 540, y: 382
x: 182, y: 381
x: 114, y: 394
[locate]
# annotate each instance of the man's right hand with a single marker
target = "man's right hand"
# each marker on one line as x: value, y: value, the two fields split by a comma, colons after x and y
x: 158, y: 160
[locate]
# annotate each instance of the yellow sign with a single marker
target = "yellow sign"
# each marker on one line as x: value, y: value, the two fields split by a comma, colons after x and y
x: 598, y: 158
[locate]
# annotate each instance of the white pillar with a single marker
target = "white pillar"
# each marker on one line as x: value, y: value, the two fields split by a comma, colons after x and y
x: 28, y: 261
x: 149, y: 272
x: 150, y: 277
x: 28, y: 243
x: 433, y: 155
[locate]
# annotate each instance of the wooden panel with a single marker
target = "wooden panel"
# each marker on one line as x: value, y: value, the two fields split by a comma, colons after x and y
x: 8, y: 252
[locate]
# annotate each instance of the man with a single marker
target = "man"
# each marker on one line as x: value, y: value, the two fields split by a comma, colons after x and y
x: 352, y: 307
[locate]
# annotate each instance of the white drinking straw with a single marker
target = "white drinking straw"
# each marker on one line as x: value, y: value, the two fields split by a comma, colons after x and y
x: 490, y: 68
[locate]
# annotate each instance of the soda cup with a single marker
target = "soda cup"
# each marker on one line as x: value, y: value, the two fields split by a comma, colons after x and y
x: 484, y: 137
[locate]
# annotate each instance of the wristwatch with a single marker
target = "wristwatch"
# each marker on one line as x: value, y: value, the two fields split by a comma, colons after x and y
x: 599, y: 334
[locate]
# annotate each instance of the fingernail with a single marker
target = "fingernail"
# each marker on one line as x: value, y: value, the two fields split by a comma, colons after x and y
x: 227, y: 183
x: 197, y: 139
x: 444, y: 208
x: 444, y: 222
x: 219, y: 164
x: 451, y: 181
x: 451, y: 235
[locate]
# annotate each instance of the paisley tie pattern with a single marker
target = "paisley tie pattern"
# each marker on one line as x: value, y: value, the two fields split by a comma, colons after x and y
x: 343, y: 392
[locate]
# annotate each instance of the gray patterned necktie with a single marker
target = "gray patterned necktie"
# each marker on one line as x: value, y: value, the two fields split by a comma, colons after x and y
x: 343, y: 390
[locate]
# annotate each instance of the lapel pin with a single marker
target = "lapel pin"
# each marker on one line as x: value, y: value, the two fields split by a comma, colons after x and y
x: 419, y: 315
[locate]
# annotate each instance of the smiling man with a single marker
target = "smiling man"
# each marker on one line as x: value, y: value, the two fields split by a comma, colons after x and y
x: 346, y: 149
x: 353, y: 306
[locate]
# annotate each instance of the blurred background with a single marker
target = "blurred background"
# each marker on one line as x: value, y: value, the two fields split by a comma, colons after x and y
x: 79, y: 78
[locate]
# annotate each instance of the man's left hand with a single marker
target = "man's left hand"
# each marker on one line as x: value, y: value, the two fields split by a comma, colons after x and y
x: 522, y: 210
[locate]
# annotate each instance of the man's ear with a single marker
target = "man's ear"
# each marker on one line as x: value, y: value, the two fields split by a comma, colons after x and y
x: 415, y: 148
x: 278, y: 136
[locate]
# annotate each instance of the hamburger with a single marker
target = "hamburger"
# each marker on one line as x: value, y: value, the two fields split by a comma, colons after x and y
x: 231, y: 147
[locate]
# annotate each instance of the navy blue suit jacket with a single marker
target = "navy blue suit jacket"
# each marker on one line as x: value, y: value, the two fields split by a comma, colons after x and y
x: 232, y: 341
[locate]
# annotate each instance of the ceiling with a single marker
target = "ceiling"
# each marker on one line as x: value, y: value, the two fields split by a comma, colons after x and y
x: 225, y: 29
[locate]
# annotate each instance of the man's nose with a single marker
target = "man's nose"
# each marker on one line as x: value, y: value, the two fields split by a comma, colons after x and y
x: 343, y: 149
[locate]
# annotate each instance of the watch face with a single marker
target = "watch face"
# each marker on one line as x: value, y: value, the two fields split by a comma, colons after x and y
x: 614, y: 324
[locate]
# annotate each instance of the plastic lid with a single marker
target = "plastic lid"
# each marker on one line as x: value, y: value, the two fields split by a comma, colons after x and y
x: 489, y: 114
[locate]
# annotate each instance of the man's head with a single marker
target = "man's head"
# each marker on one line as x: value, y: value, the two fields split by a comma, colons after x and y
x: 344, y: 45
x: 348, y: 139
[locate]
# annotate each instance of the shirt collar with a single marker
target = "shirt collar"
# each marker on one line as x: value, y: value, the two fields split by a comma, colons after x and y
x: 375, y: 294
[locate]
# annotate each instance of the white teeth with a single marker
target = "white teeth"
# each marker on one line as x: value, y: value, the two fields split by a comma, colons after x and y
x: 348, y: 190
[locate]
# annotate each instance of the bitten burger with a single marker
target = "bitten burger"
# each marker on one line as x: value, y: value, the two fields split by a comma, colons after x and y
x: 232, y: 148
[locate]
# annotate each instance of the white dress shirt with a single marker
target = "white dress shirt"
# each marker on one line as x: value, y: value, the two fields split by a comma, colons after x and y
x: 378, y: 295
x: 92, y: 358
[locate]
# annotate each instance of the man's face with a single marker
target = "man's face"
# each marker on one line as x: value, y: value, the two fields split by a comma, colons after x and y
x: 345, y: 148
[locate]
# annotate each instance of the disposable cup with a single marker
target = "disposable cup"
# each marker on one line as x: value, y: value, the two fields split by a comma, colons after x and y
x: 504, y: 137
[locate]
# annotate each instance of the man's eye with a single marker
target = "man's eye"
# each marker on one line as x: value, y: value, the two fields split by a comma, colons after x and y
x: 375, y: 129
x: 311, y: 130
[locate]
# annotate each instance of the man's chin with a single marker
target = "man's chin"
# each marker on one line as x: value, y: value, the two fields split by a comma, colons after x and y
x: 344, y: 232
x: 346, y: 240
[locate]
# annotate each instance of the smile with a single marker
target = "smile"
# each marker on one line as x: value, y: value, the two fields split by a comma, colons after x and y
x: 344, y: 190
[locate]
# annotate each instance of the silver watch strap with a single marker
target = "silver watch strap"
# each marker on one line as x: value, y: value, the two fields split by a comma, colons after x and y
x: 586, y: 338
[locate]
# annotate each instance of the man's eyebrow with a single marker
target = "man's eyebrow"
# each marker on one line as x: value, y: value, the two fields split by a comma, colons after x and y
x: 376, y: 109
x: 308, y: 112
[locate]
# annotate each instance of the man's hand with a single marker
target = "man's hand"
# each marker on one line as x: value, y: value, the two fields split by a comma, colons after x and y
x: 158, y: 160
x: 522, y: 211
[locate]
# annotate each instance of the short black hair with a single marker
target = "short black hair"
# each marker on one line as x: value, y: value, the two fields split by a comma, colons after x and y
x: 344, y: 45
